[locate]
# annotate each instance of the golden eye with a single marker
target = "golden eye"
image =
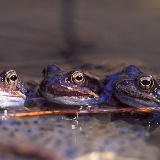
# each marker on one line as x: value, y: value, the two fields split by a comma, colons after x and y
x: 11, y: 77
x: 146, y: 83
x: 78, y: 77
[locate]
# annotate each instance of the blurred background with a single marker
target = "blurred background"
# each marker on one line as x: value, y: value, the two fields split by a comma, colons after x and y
x: 75, y: 32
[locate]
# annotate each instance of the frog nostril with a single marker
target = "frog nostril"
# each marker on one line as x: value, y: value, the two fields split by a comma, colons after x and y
x: 124, y: 82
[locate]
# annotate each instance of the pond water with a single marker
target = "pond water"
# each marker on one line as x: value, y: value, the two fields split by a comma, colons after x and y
x: 99, y: 36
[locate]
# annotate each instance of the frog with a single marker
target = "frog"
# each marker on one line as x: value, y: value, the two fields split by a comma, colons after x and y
x: 108, y: 81
x: 74, y: 87
x: 136, y: 88
x: 12, y: 89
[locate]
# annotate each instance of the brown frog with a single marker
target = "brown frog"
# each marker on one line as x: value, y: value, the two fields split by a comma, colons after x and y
x: 12, y: 89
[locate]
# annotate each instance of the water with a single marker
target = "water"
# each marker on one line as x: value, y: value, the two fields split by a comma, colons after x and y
x: 78, y: 137
x: 98, y: 36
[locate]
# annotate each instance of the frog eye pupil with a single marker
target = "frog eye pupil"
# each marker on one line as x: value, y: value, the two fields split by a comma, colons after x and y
x: 13, y: 78
x: 145, y: 82
x: 79, y: 78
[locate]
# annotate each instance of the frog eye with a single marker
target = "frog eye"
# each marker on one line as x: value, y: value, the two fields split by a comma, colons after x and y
x: 50, y: 69
x: 11, y: 77
x: 78, y: 77
x: 131, y: 70
x: 146, y: 83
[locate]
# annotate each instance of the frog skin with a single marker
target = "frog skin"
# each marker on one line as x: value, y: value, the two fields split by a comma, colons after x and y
x: 108, y: 81
x: 137, y: 89
x: 12, y: 90
x: 74, y: 87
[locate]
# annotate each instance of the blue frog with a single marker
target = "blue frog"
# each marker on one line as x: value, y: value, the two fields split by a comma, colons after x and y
x: 73, y: 87
x: 135, y: 88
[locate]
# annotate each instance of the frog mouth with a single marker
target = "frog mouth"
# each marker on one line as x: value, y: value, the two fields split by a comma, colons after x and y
x: 70, y: 100
x: 136, y: 99
x: 10, y: 94
x: 11, y: 99
x: 67, y: 92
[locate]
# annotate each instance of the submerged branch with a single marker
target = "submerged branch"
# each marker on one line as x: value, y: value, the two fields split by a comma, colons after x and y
x: 84, y: 111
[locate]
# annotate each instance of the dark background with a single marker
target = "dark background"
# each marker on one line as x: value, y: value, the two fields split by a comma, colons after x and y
x: 34, y: 33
